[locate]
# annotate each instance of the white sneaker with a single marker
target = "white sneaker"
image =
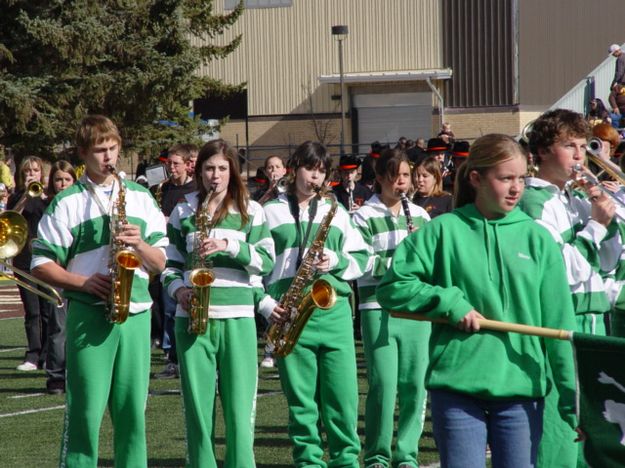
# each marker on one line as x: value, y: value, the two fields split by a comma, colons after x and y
x: 267, y: 362
x: 27, y: 366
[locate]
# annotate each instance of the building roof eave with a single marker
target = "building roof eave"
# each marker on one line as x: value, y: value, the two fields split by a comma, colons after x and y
x: 388, y: 76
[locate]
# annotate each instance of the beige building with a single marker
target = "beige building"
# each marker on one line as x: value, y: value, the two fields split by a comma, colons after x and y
x: 482, y: 65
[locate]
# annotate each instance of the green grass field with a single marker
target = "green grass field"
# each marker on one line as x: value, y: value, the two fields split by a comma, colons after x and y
x: 31, y: 420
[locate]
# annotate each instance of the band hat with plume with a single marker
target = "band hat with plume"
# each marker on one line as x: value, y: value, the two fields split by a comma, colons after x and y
x: 460, y: 149
x: 349, y: 162
x: 613, y: 48
x: 437, y: 145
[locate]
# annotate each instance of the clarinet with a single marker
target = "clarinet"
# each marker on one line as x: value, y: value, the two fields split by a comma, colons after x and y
x: 406, y: 207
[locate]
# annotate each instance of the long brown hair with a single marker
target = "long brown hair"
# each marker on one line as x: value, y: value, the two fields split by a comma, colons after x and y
x: 432, y: 166
x: 487, y: 152
x: 63, y: 166
x: 237, y: 194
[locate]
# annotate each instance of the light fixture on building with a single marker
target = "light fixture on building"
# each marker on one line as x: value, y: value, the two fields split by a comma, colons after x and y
x: 340, y: 34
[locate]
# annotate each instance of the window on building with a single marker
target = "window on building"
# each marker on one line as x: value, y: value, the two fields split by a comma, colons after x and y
x: 231, y: 4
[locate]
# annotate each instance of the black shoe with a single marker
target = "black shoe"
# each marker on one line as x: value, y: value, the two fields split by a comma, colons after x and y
x: 55, y: 387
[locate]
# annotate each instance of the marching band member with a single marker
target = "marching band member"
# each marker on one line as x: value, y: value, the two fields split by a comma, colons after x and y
x: 395, y: 349
x: 487, y: 259
x: 579, y: 223
x: 429, y: 193
x: 319, y: 376
x: 37, y: 310
x: 235, y: 244
x: 349, y: 192
x: 108, y: 364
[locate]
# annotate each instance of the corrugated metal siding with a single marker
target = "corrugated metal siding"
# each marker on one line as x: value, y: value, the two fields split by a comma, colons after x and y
x: 557, y: 50
x: 479, y: 48
x: 284, y: 50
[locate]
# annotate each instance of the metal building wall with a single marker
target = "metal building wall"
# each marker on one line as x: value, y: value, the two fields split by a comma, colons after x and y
x: 560, y: 41
x: 479, y: 47
x: 284, y: 50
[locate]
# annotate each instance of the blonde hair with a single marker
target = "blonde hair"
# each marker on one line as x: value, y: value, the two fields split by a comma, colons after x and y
x: 26, y: 163
x: 486, y: 152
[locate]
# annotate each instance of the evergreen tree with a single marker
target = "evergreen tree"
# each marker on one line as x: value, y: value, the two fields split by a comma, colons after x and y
x: 132, y: 60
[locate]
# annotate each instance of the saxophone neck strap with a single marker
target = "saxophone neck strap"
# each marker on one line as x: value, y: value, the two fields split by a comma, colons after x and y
x: 312, y: 212
x: 91, y: 186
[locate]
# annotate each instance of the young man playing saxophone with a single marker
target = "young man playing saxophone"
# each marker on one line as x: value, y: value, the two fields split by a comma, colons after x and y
x: 107, y: 363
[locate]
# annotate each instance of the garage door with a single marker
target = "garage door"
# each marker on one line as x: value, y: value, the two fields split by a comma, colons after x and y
x: 386, y: 117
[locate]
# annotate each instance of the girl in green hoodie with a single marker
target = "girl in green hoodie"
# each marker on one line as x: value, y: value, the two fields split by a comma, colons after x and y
x: 487, y: 259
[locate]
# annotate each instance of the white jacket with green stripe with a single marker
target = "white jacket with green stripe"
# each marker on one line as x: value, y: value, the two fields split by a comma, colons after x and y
x: 74, y: 233
x: 585, y: 243
x: 344, y: 245
x: 383, y: 232
x: 249, y: 253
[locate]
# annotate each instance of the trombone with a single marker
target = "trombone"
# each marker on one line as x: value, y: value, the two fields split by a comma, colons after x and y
x: 13, y: 237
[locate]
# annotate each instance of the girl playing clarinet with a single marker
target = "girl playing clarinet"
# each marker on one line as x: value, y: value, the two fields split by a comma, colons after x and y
x: 487, y: 259
x: 235, y: 245
x: 395, y: 349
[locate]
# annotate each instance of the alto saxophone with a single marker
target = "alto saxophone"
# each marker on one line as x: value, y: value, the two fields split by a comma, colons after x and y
x: 201, y: 277
x: 284, y: 336
x: 123, y: 261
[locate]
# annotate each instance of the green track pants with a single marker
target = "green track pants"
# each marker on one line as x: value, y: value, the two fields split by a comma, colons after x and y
x: 229, y: 349
x: 106, y: 365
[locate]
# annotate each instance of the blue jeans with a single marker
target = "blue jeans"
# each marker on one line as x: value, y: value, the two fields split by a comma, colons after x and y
x: 464, y: 424
x: 169, y: 321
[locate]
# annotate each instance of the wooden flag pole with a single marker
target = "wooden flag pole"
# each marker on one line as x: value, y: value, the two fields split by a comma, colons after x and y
x: 496, y: 325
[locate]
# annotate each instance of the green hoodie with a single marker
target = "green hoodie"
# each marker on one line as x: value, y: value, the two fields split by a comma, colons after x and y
x: 508, y: 269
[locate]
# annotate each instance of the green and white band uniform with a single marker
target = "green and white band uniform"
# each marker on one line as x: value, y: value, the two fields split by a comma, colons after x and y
x: 107, y: 364
x: 325, y: 351
x: 396, y: 350
x: 229, y: 345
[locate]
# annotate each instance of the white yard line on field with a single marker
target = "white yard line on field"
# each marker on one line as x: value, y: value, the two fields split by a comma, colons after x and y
x: 40, y: 410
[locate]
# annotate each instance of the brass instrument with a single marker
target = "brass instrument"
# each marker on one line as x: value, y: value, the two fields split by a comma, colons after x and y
x: 277, y: 187
x: 201, y: 277
x: 284, y: 336
x: 34, y: 190
x: 13, y: 237
x: 581, y: 173
x: 606, y: 166
x: 158, y: 193
x: 406, y: 207
x: 123, y: 261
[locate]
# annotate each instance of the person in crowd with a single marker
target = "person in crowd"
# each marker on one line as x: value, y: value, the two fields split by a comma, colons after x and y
x: 402, y: 143
x: 487, y: 387
x: 108, y: 364
x: 395, y: 350
x: 62, y: 176
x: 319, y: 376
x: 142, y: 165
x: 619, y: 69
x: 191, y: 160
x: 446, y: 133
x: 368, y: 165
x: 597, y: 112
x: 29, y: 199
x: 438, y: 149
x: 429, y: 193
x: 234, y: 242
x: 273, y: 170
x: 168, y: 194
x: 578, y: 221
x: 350, y: 192
x: 6, y: 177
x: 617, y: 104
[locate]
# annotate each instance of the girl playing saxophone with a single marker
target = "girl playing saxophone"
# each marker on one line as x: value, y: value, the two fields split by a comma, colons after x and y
x: 235, y: 246
x: 325, y: 351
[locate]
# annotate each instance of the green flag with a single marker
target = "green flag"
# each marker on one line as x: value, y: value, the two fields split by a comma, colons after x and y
x: 600, y: 363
